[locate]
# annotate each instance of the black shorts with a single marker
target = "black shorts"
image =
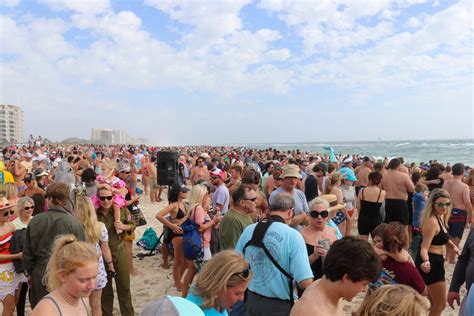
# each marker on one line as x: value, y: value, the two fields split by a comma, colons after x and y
x: 457, y: 222
x: 366, y: 224
x: 396, y: 211
x: 436, y: 273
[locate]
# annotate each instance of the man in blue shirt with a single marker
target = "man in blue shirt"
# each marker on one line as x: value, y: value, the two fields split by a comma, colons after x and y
x: 269, y: 291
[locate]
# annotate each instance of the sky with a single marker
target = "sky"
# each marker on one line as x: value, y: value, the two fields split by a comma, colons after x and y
x: 240, y: 71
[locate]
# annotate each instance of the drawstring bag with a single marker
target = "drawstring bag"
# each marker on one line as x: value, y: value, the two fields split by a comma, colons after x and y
x: 149, y: 239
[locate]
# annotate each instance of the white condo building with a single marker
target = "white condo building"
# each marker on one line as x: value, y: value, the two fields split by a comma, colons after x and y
x: 11, y: 124
x: 110, y: 136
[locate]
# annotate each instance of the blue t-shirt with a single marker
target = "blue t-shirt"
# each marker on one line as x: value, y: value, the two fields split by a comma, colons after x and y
x: 301, y: 205
x: 419, y: 202
x: 288, y: 248
x: 208, y: 312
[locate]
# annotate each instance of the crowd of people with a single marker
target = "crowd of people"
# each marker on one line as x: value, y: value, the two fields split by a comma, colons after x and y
x: 278, y: 233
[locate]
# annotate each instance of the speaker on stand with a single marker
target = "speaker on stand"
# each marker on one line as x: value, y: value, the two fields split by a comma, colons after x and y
x: 167, y: 168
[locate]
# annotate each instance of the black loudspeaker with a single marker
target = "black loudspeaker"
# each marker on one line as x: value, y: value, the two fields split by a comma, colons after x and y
x: 167, y: 167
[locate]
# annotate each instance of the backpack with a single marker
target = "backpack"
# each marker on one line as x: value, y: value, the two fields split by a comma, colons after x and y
x: 149, y: 239
x: 257, y: 241
x: 192, y: 241
x: 17, y: 243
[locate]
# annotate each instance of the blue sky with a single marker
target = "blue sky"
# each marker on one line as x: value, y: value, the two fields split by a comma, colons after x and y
x: 216, y: 72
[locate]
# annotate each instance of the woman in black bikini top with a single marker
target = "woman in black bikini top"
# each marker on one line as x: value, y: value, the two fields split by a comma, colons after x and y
x: 71, y: 275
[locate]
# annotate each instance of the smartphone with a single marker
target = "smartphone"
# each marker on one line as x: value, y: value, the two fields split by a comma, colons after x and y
x: 325, y: 243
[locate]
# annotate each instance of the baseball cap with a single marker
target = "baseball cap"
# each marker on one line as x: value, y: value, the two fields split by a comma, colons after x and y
x: 218, y: 173
x: 123, y: 165
x: 172, y: 306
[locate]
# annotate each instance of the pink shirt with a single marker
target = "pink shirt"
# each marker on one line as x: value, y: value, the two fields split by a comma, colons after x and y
x: 201, y: 217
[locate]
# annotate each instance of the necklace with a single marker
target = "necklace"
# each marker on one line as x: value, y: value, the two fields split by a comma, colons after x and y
x: 67, y: 300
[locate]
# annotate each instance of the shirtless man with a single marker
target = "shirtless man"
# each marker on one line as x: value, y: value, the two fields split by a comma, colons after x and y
x: 362, y: 173
x: 199, y: 172
x: 403, y: 168
x: 235, y: 178
x: 446, y: 174
x: 461, y: 208
x: 396, y: 185
x: 349, y: 266
x: 18, y: 171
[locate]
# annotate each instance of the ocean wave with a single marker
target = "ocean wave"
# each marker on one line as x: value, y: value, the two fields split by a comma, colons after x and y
x: 401, y: 144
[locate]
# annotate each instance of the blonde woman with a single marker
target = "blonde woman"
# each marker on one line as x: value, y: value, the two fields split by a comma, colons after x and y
x: 333, y: 186
x: 430, y: 260
x: 221, y: 283
x: 24, y: 210
x: 400, y: 300
x: 70, y: 277
x: 199, y: 203
x: 11, y: 192
x: 96, y: 235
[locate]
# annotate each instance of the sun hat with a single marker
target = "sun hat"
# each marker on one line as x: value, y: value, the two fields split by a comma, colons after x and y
x: 29, y: 177
x: 332, y: 199
x: 204, y: 155
x: 348, y: 174
x: 123, y: 165
x: 4, y: 203
x: 172, y: 306
x: 347, y: 160
x: 40, y: 172
x: 218, y: 173
x: 291, y: 171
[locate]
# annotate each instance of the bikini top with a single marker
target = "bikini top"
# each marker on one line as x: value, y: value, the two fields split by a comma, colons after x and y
x: 57, y: 305
x: 441, y: 238
x: 180, y: 214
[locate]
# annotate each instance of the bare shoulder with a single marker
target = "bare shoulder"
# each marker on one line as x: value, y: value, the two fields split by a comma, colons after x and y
x: 45, y: 307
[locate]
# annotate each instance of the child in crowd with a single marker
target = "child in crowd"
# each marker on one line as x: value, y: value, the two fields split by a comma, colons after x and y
x: 350, y: 265
x: 402, y: 257
x: 419, y: 201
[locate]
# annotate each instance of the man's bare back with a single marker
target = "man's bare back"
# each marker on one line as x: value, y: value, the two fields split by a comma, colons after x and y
x: 396, y: 185
x: 459, y: 192
x: 363, y: 176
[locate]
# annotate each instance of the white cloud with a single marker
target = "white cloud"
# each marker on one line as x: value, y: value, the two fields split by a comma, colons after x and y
x: 81, y: 6
x: 10, y: 3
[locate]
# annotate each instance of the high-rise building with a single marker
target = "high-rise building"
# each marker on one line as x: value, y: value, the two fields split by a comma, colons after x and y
x: 110, y: 136
x: 11, y: 124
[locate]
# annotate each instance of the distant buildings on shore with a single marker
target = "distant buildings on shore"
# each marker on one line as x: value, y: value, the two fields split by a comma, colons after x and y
x: 112, y: 137
x: 11, y: 124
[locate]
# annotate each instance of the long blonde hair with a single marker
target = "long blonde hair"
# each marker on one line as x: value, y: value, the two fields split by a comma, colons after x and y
x: 11, y: 191
x: 331, y: 181
x: 68, y: 254
x: 224, y: 270
x: 398, y: 299
x: 197, y: 195
x: 429, y: 207
x: 86, y: 214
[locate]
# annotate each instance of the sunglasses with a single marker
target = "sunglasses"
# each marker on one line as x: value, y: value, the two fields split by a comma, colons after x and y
x: 244, y: 273
x: 108, y: 198
x: 26, y: 208
x: 10, y: 212
x: 252, y: 199
x: 316, y: 214
x: 126, y: 172
x: 443, y: 204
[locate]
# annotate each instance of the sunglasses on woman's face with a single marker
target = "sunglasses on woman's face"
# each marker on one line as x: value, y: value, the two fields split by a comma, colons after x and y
x: 316, y: 214
x: 108, y: 198
x: 440, y: 204
x: 27, y: 208
x: 10, y: 212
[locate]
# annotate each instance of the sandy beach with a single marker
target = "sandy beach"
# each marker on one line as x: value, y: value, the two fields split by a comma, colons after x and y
x: 156, y: 281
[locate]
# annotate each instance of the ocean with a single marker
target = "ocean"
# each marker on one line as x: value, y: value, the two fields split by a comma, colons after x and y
x: 444, y: 151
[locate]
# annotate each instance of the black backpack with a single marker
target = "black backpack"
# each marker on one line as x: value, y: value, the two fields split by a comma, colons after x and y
x: 257, y: 241
x: 17, y: 243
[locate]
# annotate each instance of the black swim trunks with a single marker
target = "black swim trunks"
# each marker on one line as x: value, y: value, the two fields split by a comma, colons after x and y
x: 396, y: 211
x: 457, y: 222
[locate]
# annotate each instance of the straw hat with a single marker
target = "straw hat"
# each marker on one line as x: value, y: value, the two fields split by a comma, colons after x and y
x: 333, y: 205
x: 291, y: 171
x: 5, y: 204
